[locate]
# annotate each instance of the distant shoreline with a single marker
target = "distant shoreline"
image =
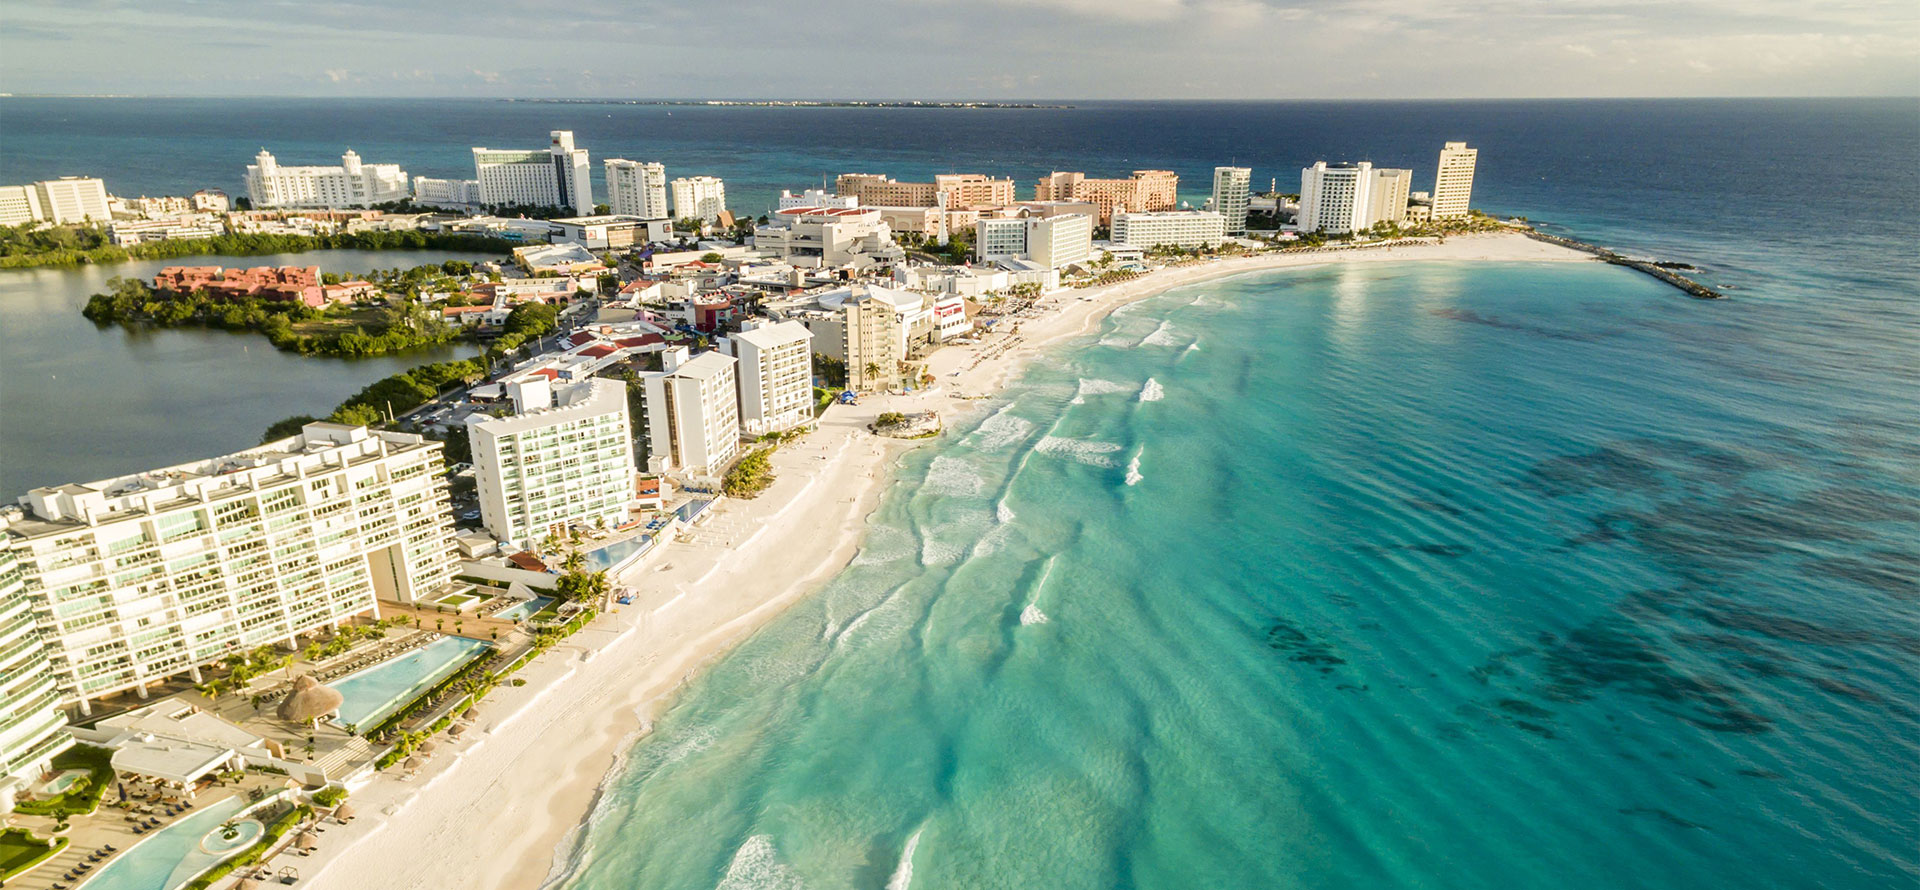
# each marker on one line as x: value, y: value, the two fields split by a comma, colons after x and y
x: 795, y: 103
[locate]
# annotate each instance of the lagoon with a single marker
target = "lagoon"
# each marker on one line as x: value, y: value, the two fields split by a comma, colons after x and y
x: 80, y: 402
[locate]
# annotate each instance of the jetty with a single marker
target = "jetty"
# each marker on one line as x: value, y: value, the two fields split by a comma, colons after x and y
x: 1687, y: 285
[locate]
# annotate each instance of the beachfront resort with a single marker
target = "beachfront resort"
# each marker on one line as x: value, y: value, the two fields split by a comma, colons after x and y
x: 205, y: 663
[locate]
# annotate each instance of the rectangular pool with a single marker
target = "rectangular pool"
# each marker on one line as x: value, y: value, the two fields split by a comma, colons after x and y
x: 612, y: 555
x: 375, y: 693
x: 525, y: 609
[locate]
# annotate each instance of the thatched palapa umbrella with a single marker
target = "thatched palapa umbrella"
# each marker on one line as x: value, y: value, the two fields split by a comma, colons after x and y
x: 308, y: 840
x: 246, y: 883
x: 309, y: 701
x: 343, y: 811
x: 413, y: 763
x: 428, y: 747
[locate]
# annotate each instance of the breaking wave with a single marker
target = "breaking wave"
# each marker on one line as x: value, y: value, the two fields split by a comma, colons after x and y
x: 1087, y: 451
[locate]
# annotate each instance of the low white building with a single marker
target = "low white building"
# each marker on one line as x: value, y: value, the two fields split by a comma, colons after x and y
x: 1053, y: 241
x: 775, y: 374
x: 565, y: 455
x: 351, y: 183
x: 816, y: 198
x: 446, y: 192
x: 127, y: 233
x: 693, y: 414
x: 1169, y: 228
x: 828, y: 237
x: 610, y: 231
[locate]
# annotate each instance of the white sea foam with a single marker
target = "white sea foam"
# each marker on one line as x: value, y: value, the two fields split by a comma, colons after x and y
x: 1001, y: 430
x: 1002, y: 513
x: 884, y: 545
x: 1095, y: 388
x: 1133, y: 470
x: 938, y: 553
x: 952, y: 476
x: 852, y: 626
x: 903, y: 873
x: 1031, y: 615
x: 1194, y: 346
x: 1087, y: 451
x: 1164, y: 335
x: 756, y: 866
x: 1152, y: 391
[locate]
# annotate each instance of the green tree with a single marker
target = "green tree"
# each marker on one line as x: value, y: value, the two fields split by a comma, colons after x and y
x: 357, y: 415
x: 578, y: 586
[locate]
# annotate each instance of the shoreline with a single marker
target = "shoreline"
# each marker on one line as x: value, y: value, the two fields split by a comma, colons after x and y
x: 522, y: 789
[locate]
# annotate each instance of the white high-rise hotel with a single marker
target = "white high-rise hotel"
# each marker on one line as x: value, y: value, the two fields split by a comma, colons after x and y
x: 699, y: 197
x: 350, y: 184
x: 145, y: 577
x: 1335, y: 198
x: 775, y: 374
x: 32, y: 726
x: 557, y: 177
x: 563, y: 457
x: 1343, y: 198
x: 693, y: 413
x: 1453, y: 182
x: 1232, y: 190
x: 637, y: 189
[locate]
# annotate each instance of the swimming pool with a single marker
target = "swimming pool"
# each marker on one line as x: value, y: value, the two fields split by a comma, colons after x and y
x: 174, y: 854
x: 373, y: 694
x: 524, y: 609
x: 612, y: 555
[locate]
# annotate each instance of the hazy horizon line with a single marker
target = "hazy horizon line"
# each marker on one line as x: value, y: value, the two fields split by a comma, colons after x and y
x: 954, y: 100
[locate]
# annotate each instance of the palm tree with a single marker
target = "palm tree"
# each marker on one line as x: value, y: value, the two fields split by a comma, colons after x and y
x: 574, y: 562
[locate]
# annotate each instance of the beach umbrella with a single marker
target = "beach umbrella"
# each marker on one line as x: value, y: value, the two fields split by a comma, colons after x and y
x: 413, y: 763
x: 246, y: 883
x: 428, y: 747
x: 308, y: 840
x: 343, y: 811
x: 309, y: 701
x: 457, y: 729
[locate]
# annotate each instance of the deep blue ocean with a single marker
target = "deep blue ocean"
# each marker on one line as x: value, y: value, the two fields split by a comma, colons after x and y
x: 1438, y: 575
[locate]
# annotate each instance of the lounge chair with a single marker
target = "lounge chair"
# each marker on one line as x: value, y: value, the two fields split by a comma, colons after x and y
x: 109, y: 847
x: 139, y: 829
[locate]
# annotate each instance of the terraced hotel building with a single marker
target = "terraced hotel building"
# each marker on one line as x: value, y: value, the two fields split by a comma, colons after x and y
x: 146, y: 577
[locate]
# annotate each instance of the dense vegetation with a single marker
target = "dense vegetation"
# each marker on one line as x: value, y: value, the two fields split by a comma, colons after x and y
x: 399, y: 393
x: 750, y: 476
x: 24, y: 245
x: 84, y: 795
x: 339, y: 330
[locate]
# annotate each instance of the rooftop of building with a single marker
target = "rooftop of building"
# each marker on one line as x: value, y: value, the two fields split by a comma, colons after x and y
x: 62, y: 508
x: 777, y: 334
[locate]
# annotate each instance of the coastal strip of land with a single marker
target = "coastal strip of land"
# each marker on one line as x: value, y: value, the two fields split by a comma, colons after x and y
x: 1686, y: 285
x: 503, y: 806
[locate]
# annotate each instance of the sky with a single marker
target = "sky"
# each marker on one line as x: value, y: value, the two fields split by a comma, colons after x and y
x: 977, y: 49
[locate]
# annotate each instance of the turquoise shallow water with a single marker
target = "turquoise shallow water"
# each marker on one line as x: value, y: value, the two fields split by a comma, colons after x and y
x: 1435, y: 576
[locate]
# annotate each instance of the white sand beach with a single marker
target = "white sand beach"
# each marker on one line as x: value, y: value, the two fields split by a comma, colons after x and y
x: 499, y: 806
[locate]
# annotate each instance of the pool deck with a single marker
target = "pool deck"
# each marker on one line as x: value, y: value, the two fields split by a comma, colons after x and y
x: 108, y: 825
